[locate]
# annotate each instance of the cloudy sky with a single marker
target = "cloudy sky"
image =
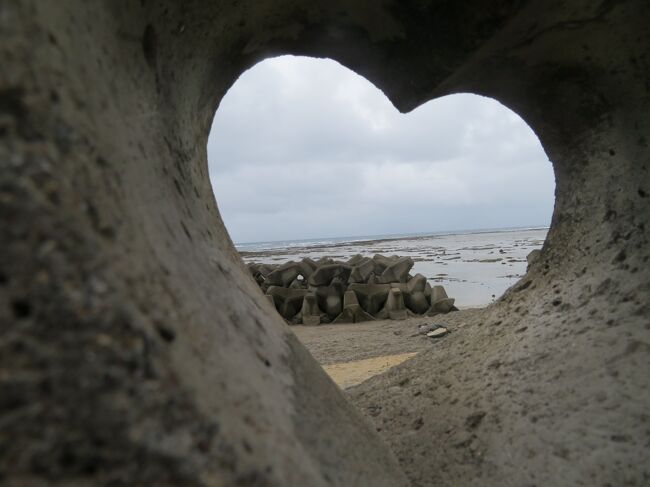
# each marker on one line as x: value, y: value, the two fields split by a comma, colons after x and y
x: 305, y: 148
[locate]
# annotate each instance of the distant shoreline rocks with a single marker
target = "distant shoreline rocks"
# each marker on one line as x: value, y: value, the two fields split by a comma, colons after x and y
x: 312, y: 292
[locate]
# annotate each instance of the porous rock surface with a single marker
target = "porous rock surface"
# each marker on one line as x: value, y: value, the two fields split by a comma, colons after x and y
x: 135, y: 348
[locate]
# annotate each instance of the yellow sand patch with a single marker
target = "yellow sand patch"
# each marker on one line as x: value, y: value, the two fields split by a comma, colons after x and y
x: 348, y: 374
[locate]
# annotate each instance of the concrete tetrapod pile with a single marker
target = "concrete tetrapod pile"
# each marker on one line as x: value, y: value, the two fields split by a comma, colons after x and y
x: 360, y: 289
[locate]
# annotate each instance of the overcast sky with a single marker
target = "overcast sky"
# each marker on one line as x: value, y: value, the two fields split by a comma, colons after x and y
x: 305, y: 148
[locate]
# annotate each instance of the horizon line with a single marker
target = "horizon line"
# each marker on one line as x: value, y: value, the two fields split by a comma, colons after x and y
x: 389, y: 235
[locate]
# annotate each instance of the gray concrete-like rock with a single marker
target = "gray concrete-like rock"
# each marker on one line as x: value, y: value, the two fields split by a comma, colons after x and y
x: 371, y: 296
x: 330, y: 299
x: 532, y: 257
x: 307, y: 266
x: 288, y: 301
x: 442, y: 306
x: 136, y: 349
x: 440, y: 302
x: 417, y: 302
x: 382, y: 262
x: 397, y: 271
x: 394, y: 307
x: 350, y: 299
x: 283, y: 275
x: 356, y: 260
x: 428, y: 290
x: 323, y: 261
x: 352, y: 310
x: 324, y: 274
x: 417, y: 283
x: 438, y: 293
x: 298, y: 283
x: 310, y: 312
x: 361, y: 271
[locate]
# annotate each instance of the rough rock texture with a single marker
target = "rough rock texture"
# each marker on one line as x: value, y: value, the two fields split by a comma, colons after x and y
x: 127, y: 355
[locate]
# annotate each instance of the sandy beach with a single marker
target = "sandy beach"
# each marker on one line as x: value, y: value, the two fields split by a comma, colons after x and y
x: 355, y: 352
x: 474, y: 268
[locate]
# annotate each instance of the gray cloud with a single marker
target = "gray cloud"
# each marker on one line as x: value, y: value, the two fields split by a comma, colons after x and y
x: 304, y: 148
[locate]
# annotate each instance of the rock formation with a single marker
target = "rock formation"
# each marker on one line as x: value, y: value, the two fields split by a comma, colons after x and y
x: 346, y: 292
x: 136, y: 350
x: 352, y: 310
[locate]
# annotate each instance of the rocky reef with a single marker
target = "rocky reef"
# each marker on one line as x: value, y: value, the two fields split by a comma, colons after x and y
x: 312, y: 292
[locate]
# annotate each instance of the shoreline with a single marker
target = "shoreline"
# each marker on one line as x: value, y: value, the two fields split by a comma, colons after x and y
x: 247, y: 254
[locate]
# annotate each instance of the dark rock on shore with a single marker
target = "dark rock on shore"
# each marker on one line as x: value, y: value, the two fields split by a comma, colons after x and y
x: 323, y: 291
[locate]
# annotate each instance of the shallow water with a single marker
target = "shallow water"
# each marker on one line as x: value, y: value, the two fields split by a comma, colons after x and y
x: 474, y: 268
